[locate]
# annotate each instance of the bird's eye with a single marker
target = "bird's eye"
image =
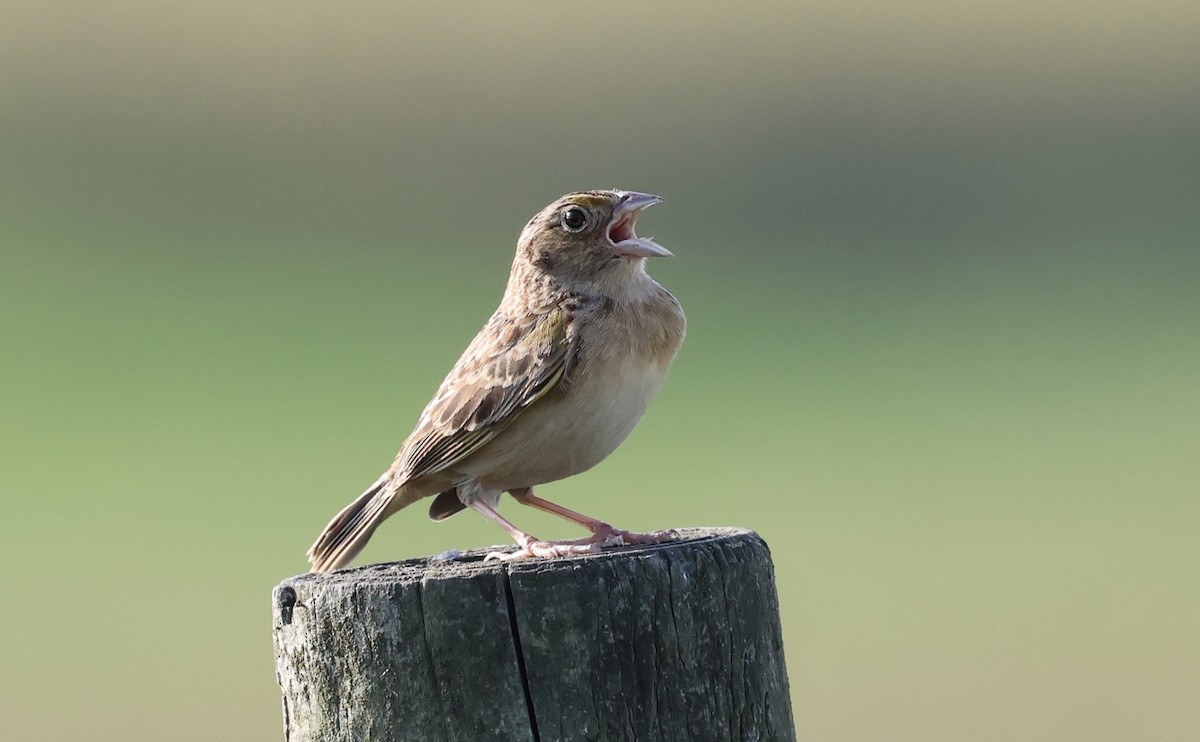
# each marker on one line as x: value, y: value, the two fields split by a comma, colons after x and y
x: 574, y: 219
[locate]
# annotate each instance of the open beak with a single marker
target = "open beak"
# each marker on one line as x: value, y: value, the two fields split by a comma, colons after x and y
x: 620, y: 230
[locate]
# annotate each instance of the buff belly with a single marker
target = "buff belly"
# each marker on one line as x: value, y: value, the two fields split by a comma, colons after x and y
x: 571, y: 432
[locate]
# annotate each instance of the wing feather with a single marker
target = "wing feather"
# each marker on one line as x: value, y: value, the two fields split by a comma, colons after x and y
x: 510, y: 365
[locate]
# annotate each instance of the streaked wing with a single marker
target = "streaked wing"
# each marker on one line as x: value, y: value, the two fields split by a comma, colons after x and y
x: 509, y: 365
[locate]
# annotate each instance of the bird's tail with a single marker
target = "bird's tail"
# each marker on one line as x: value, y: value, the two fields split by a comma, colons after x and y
x: 348, y: 532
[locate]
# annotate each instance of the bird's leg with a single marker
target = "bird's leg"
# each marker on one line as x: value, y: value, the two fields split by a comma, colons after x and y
x: 490, y: 513
x: 525, y: 496
x: 603, y: 534
x: 530, y: 546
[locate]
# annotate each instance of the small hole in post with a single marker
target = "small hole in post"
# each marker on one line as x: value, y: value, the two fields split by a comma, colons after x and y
x: 287, y: 601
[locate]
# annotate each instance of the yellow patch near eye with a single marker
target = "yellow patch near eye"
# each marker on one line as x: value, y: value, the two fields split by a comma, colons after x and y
x: 591, y: 201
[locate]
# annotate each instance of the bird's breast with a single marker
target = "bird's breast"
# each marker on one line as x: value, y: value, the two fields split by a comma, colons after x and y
x: 623, y: 354
x: 569, y: 432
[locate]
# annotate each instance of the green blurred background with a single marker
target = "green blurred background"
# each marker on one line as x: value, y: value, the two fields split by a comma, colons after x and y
x: 941, y: 262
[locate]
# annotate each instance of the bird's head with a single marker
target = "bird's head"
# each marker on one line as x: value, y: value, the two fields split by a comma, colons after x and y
x: 584, y: 236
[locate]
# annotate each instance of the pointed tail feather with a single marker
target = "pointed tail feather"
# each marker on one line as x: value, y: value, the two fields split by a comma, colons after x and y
x: 349, y: 531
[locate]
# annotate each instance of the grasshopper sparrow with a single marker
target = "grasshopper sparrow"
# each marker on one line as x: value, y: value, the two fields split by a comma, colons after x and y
x: 552, y: 384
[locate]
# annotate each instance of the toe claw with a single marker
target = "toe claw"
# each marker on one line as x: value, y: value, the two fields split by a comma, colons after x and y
x: 654, y: 537
x: 508, y: 556
x: 551, y: 549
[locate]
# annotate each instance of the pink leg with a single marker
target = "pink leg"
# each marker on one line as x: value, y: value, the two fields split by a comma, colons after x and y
x: 530, y: 546
x: 526, y: 497
x: 602, y: 533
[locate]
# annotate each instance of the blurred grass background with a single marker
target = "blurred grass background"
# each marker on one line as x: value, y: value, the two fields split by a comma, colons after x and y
x: 941, y: 263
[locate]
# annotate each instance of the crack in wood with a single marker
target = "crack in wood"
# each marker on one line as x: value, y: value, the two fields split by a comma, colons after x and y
x: 516, y: 637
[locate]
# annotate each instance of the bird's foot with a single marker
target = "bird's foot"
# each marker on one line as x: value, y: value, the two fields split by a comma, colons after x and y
x: 654, y: 537
x: 602, y: 536
x: 531, y: 548
x: 606, y: 535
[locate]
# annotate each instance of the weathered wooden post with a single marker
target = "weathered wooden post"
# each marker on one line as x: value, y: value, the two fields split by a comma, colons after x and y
x: 677, y: 641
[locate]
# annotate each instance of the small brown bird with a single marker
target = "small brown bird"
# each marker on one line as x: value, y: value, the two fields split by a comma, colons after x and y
x: 552, y: 384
